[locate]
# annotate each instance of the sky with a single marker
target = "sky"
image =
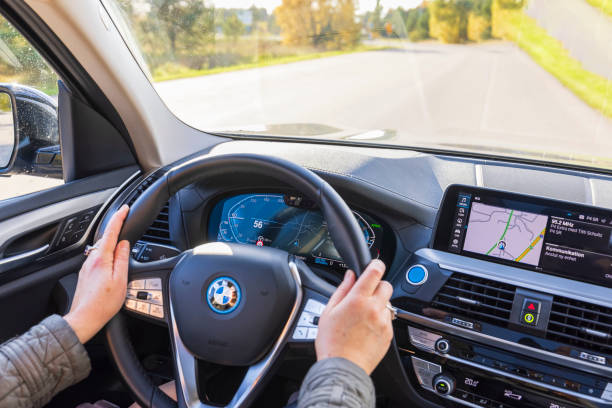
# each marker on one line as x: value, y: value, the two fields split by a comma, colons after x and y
x: 364, y: 5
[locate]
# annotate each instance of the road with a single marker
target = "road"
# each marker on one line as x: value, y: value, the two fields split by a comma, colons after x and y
x: 584, y: 31
x: 491, y: 94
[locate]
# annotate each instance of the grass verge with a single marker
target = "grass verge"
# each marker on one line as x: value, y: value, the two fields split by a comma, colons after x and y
x: 263, y: 62
x: 549, y: 53
x: 604, y: 5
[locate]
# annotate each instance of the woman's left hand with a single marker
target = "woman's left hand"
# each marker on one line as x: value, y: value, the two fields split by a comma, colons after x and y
x: 102, y: 284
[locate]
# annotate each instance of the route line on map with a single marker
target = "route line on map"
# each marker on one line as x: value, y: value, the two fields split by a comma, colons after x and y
x: 530, y: 247
x: 503, y: 235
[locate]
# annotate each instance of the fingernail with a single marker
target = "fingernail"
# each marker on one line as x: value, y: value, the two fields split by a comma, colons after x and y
x: 347, y: 274
x: 124, y: 207
x: 378, y: 264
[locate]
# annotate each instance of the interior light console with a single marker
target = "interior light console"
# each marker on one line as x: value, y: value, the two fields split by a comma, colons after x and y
x: 511, y: 305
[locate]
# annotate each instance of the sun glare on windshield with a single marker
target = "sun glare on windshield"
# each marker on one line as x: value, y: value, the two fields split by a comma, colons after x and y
x: 503, y: 77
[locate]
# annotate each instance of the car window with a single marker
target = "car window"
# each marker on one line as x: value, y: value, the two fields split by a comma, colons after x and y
x: 518, y: 78
x: 30, y: 157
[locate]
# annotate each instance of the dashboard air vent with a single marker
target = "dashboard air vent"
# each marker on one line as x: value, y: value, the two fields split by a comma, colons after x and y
x: 143, y: 186
x: 476, y: 298
x: 159, y: 231
x: 581, y: 324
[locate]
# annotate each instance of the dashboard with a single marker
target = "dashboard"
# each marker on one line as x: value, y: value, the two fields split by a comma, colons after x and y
x: 502, y: 272
x: 286, y: 221
x: 510, y: 304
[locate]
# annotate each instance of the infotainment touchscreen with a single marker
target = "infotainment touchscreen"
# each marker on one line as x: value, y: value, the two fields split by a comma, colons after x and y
x: 529, y: 232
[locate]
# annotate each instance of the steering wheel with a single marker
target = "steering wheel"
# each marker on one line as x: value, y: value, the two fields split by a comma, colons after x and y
x: 230, y: 304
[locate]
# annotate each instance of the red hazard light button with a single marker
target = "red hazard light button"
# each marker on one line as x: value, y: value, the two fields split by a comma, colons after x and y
x: 532, y: 306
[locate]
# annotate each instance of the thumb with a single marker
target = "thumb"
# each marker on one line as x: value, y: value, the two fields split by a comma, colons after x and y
x: 121, y: 261
x: 343, y: 289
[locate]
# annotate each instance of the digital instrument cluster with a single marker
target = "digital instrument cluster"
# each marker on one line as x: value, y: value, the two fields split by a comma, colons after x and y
x: 285, y: 221
x: 548, y: 236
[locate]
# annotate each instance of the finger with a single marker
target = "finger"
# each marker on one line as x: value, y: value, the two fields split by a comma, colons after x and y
x: 112, y: 230
x: 369, y: 279
x: 343, y: 289
x: 121, y: 262
x: 383, y: 293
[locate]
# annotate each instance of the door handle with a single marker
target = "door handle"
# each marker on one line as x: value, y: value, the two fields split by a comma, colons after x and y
x: 21, y: 259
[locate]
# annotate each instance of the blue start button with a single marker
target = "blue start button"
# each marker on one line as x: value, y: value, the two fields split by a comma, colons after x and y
x: 416, y: 275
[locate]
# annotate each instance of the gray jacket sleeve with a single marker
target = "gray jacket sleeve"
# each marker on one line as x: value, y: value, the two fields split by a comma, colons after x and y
x: 336, y: 382
x: 40, y: 363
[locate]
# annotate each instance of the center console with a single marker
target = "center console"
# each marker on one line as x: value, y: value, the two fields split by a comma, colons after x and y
x: 511, y: 305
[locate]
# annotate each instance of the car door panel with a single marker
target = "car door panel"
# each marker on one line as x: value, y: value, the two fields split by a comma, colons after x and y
x: 34, y: 285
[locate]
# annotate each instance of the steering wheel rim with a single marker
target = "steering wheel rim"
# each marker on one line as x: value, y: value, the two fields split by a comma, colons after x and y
x: 342, y: 225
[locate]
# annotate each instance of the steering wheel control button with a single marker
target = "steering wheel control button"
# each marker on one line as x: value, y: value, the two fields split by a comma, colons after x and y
x: 300, y: 333
x: 155, y: 296
x: 312, y: 333
x: 309, y: 320
x: 157, y: 311
x: 130, y: 304
x: 154, y: 284
x: 444, y: 384
x: 142, y: 307
x: 417, y: 275
x: 314, y: 307
x: 137, y: 284
x: 443, y: 346
x: 223, y: 295
x: 140, y: 300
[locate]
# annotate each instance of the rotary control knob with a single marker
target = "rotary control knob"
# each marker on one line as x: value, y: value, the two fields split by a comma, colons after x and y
x: 443, y: 346
x: 444, y: 384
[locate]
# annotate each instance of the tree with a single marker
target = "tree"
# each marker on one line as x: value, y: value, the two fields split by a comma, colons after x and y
x: 417, y: 23
x: 321, y: 23
x: 449, y: 20
x: 232, y: 27
x: 185, y: 22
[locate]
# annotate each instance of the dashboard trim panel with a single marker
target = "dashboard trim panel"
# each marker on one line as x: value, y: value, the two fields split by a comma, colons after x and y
x: 523, y: 379
x: 501, y: 343
x: 546, y: 283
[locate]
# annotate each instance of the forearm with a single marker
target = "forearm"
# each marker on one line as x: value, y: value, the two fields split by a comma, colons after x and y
x: 40, y: 363
x: 336, y: 382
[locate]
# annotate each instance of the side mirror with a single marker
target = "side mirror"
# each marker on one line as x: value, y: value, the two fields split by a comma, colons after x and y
x: 36, y: 147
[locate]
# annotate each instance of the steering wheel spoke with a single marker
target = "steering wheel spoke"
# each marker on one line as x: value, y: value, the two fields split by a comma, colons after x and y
x: 147, y: 292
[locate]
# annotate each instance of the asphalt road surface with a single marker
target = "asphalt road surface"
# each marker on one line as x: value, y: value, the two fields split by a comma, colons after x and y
x: 491, y: 94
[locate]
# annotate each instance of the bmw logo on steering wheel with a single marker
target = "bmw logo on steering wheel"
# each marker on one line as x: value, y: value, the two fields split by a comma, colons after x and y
x: 223, y: 295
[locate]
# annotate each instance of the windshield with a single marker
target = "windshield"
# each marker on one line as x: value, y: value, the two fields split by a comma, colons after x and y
x: 515, y: 78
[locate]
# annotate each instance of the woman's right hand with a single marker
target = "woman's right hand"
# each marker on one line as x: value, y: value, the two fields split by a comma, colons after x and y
x: 356, y: 323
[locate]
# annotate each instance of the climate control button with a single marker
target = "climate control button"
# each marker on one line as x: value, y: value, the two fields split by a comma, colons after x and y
x: 444, y: 384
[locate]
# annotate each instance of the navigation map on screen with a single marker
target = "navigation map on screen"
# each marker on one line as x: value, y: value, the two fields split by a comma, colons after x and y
x: 505, y: 233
